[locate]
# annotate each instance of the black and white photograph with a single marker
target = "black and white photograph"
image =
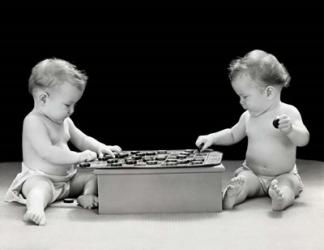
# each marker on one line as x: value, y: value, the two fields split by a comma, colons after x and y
x: 161, y: 128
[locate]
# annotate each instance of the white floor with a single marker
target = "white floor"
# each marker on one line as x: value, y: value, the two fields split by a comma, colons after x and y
x: 251, y: 225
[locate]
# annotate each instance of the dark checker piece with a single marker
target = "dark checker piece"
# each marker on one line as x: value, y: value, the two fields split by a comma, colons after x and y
x: 84, y: 165
x: 152, y: 162
x: 275, y: 123
x: 112, y: 160
x: 68, y: 200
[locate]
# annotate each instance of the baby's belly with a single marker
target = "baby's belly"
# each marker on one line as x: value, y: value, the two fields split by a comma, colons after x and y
x: 48, y: 168
x: 270, y: 161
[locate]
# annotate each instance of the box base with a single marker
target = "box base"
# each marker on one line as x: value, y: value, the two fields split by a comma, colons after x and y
x: 126, y: 191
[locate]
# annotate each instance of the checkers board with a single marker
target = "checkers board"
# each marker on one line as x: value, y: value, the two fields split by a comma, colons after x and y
x: 147, y: 159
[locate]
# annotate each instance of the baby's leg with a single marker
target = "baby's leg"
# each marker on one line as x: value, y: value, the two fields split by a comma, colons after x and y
x: 85, y: 187
x: 283, y: 191
x: 38, y: 192
x: 245, y: 184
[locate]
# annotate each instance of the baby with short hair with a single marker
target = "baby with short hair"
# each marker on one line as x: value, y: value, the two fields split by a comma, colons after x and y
x: 270, y: 164
x: 48, y: 168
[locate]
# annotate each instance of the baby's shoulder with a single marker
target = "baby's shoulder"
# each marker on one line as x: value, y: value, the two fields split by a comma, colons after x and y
x: 33, y: 120
x: 245, y: 116
x: 289, y: 109
x: 31, y: 117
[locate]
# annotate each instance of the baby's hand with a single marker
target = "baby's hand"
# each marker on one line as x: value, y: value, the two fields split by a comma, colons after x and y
x: 115, y: 148
x: 203, y: 142
x: 109, y: 150
x: 87, y: 155
x: 284, y: 123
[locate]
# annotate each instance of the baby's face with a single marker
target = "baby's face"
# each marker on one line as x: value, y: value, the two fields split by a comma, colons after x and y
x: 61, y: 102
x: 252, y: 97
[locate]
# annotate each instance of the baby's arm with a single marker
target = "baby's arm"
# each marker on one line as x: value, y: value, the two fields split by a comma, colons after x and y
x: 84, y: 142
x: 36, y: 133
x: 227, y: 136
x: 293, y: 126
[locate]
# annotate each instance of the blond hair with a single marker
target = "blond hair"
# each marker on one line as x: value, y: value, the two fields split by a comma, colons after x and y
x: 52, y: 72
x: 260, y: 65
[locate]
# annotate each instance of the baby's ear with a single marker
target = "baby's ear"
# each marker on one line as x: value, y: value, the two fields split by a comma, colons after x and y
x: 42, y: 97
x: 270, y: 91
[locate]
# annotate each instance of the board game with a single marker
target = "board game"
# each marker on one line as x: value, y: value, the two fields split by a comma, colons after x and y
x: 147, y: 159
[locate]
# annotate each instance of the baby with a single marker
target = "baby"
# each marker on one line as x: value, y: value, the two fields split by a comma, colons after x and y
x: 48, y: 168
x: 269, y: 167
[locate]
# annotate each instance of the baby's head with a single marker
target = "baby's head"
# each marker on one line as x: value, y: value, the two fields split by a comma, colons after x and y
x: 51, y: 73
x: 261, y: 67
x: 258, y: 79
x: 56, y: 86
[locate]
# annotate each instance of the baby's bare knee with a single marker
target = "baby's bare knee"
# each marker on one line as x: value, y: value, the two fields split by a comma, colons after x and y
x: 37, y: 184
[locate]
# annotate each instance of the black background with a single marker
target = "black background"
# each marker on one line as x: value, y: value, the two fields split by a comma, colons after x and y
x: 158, y: 77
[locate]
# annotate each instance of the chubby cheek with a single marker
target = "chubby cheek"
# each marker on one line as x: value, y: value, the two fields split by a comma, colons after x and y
x: 251, y: 105
x: 60, y: 113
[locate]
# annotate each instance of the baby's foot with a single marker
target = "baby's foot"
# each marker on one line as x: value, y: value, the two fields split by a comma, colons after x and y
x: 88, y: 201
x: 277, y: 197
x: 232, y: 191
x: 33, y: 215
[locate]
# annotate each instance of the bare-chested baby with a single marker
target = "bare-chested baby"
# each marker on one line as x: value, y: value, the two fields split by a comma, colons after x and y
x: 48, y: 168
x: 270, y: 164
